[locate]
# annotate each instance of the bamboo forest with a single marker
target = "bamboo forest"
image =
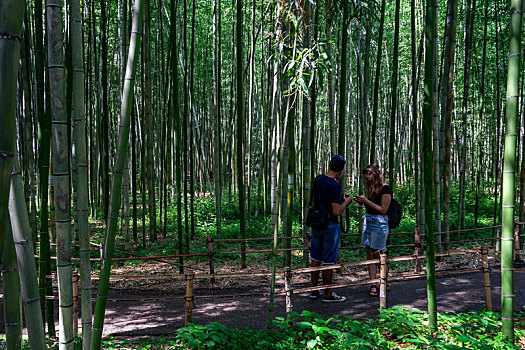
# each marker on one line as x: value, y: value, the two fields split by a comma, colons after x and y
x: 158, y: 160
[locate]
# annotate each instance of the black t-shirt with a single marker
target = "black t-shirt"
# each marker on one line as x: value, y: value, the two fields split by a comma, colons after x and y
x: 327, y: 191
x: 377, y: 199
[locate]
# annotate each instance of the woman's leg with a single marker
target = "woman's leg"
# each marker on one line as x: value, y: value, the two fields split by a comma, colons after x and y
x: 372, y: 268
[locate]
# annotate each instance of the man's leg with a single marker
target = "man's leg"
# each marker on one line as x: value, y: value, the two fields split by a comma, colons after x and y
x: 315, y: 274
x: 327, y: 279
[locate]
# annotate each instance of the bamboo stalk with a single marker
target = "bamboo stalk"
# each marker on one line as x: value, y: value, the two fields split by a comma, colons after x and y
x: 126, y: 107
x: 382, y: 285
x: 486, y: 277
x: 209, y: 244
x: 76, y: 278
x: 11, y: 288
x: 288, y: 289
x: 26, y: 263
x: 188, y: 305
x: 417, y: 251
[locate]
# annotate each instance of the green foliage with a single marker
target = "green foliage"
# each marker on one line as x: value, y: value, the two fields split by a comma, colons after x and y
x: 396, y: 328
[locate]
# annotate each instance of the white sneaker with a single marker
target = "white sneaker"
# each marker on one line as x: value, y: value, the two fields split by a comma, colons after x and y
x: 334, y: 298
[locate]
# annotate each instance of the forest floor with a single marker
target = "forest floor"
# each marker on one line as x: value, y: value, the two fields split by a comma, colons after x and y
x: 139, y: 308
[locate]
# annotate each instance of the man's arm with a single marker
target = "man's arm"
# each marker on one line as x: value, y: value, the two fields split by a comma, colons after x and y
x: 338, y: 209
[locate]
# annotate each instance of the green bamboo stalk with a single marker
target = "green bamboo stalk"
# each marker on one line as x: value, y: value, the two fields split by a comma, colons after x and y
x: 509, y: 172
x: 343, y: 82
x: 176, y: 117
x: 379, y: 56
x: 26, y: 260
x: 305, y: 137
x: 148, y: 123
x: 446, y: 108
x: 79, y: 138
x: 428, y: 110
x: 393, y: 106
x: 12, y: 296
x: 217, y: 115
x: 11, y: 13
x: 61, y: 170
x: 126, y: 107
x: 44, y: 137
x: 240, y: 125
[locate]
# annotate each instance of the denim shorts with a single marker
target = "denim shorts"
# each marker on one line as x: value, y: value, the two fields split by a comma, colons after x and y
x: 325, y: 244
x: 375, y: 231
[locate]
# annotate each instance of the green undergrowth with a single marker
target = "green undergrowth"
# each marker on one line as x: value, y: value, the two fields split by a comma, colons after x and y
x: 259, y: 226
x: 394, y: 328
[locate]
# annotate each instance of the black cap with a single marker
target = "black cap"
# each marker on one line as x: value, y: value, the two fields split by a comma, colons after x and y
x: 337, y: 163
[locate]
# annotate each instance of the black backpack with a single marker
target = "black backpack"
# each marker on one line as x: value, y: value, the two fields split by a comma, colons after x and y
x: 395, y: 211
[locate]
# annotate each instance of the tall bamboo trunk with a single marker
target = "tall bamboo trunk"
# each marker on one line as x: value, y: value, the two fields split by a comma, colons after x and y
x: 185, y: 130
x: 342, y: 83
x: 127, y: 100
x: 217, y: 109
x: 178, y: 144
x: 496, y: 154
x: 29, y: 161
x: 105, y: 143
x: 305, y: 138
x: 414, y: 107
x: 373, y: 155
x: 330, y: 78
x: 393, y: 106
x: 481, y: 112
x: 469, y: 27
x: 149, y: 131
x: 446, y: 107
x: 193, y: 125
x: 79, y: 139
x: 240, y: 137
x: 274, y: 147
x: 435, y: 142
x: 61, y: 171
x: 12, y: 13
x: 428, y: 110
x: 362, y: 122
x: 12, y: 296
x: 509, y: 172
x: 26, y: 261
x: 44, y: 137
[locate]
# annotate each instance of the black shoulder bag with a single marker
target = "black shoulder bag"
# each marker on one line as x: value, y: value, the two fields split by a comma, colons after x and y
x: 316, y: 218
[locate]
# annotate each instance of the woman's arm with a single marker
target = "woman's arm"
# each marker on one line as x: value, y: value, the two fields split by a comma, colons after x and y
x: 381, y: 209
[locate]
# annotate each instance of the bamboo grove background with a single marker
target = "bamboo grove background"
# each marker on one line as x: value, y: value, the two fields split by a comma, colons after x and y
x: 247, y: 101
x: 296, y: 56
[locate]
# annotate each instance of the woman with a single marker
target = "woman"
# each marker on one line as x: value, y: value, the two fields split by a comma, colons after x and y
x: 375, y: 226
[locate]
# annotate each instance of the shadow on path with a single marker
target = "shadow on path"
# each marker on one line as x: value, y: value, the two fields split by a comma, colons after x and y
x: 154, y: 313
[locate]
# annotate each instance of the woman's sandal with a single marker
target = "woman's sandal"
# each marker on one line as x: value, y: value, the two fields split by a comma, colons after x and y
x: 374, y: 291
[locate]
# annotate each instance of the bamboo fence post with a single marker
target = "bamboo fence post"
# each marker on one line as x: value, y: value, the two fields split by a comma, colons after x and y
x: 288, y: 290
x: 382, y: 279
x: 76, y: 278
x: 188, y: 306
x: 209, y: 245
x: 417, y: 251
x: 486, y: 277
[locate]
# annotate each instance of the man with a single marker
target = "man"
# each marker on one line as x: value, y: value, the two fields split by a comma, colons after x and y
x: 325, y: 242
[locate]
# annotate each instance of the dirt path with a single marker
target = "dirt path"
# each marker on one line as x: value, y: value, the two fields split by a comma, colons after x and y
x: 152, y: 313
x: 234, y: 308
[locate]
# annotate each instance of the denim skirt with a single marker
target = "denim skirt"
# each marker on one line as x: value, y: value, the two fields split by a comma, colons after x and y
x: 375, y: 231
